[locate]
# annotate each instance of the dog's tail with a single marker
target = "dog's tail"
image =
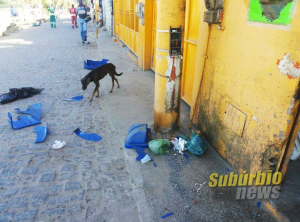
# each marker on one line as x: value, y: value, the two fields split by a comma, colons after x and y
x: 118, y: 74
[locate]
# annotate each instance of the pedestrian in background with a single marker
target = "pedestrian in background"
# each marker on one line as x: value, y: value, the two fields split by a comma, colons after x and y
x: 52, y: 16
x: 100, y: 11
x: 82, y: 13
x: 73, y: 16
x: 14, y: 13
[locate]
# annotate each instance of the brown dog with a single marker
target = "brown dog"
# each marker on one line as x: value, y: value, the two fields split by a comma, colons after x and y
x: 99, y: 73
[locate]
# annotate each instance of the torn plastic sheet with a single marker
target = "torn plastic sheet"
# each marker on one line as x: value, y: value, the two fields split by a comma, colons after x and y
x: 76, y: 98
x: 58, y: 144
x: 41, y: 133
x: 154, y: 164
x: 88, y: 136
x: 167, y: 215
x: 142, y: 156
x: 146, y: 159
x: 34, y: 110
x: 186, y: 156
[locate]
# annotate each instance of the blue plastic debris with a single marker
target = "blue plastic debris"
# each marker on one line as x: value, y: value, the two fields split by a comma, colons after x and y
x: 186, y: 156
x: 34, y: 110
x: 167, y: 215
x: 88, y: 43
x: 22, y: 122
x: 137, y: 136
x: 228, y: 169
x: 76, y: 98
x: 88, y: 136
x: 154, y: 164
x: 141, y: 153
x: 41, y: 133
x: 258, y: 204
x: 90, y: 64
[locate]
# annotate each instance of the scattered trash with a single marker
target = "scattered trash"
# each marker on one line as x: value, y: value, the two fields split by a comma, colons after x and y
x: 159, y: 146
x: 34, y: 110
x: 137, y: 136
x: 76, y: 98
x: 200, y: 184
x: 88, y: 136
x: 58, y: 144
x: 186, y: 156
x: 154, y: 164
x: 41, y: 133
x: 179, y: 145
x: 146, y: 159
x: 258, y: 204
x: 142, y: 156
x: 228, y: 170
x: 167, y: 215
x: 90, y: 64
x: 195, y: 144
x: 15, y: 94
x: 140, y: 152
x: 88, y: 43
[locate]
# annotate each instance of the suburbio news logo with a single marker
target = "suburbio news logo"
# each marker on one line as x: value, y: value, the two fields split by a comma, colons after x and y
x: 266, y: 182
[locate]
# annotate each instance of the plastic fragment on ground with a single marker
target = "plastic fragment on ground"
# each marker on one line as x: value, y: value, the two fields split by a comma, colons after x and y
x: 90, y: 64
x: 200, y: 185
x: 258, y: 204
x: 141, y: 153
x: 76, y: 98
x: 35, y: 110
x: 154, y: 164
x: 41, y: 133
x: 146, y: 159
x: 167, y: 215
x: 22, y: 122
x: 58, y: 144
x: 186, y: 156
x: 88, y: 136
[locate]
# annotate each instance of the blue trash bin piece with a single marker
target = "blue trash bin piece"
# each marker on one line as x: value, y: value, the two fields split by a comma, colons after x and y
x: 41, y: 133
x: 34, y: 110
x: 90, y: 64
x: 23, y: 121
x: 88, y: 136
x: 137, y: 136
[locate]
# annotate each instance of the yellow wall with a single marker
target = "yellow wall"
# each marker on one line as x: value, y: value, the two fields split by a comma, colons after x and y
x: 241, y: 70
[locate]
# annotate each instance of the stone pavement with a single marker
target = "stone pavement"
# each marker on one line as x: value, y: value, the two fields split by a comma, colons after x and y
x: 94, y: 181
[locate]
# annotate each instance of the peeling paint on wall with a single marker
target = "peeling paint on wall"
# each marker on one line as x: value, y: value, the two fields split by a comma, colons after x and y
x: 288, y: 68
x: 291, y: 107
x: 173, y: 84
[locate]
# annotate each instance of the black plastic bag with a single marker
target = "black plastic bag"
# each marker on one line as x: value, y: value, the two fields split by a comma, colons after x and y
x: 15, y: 94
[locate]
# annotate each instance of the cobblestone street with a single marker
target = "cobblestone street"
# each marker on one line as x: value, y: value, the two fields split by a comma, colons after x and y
x: 39, y: 183
x: 94, y: 181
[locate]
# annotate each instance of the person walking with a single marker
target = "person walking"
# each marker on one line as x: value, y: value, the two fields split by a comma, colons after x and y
x: 81, y: 12
x: 73, y: 16
x: 52, y: 16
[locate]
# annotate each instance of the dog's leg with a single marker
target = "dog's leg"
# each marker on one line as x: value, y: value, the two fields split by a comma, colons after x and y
x: 117, y: 82
x: 95, y: 90
x: 97, y: 93
x: 113, y: 83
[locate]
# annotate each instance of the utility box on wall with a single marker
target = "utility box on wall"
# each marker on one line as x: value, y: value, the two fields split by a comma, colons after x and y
x: 214, y: 15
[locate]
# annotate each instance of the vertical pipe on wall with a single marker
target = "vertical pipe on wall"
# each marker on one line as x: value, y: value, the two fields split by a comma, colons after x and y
x: 168, y: 68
